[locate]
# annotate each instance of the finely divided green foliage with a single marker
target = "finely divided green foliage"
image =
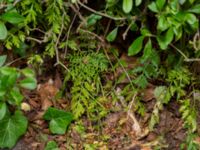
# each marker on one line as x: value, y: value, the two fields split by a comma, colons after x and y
x: 85, y: 70
x: 178, y: 79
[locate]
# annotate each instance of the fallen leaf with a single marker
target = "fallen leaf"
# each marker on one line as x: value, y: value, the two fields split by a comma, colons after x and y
x: 47, y: 92
x: 25, y: 106
x: 148, y: 93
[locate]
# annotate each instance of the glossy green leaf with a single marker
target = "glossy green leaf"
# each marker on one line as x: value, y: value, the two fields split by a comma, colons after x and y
x: 112, y: 35
x: 29, y: 83
x: 92, y: 19
x: 191, y: 18
x: 16, y: 97
x: 136, y: 46
x: 9, y: 76
x: 153, y: 7
x: 166, y: 39
x: 147, y: 50
x: 162, y: 23
x: 195, y: 9
x: 59, y: 120
x: 145, y: 32
x: 3, y: 31
x: 160, y: 4
x: 12, y: 17
x: 12, y: 127
x: 127, y: 5
x: 3, y: 109
x: 138, y: 2
x: 178, y: 33
x: 28, y: 72
x: 2, y: 60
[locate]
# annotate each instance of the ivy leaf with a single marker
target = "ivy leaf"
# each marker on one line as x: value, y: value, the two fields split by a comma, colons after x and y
x: 12, y: 17
x: 166, y: 39
x: 112, y: 35
x: 12, y: 127
x: 153, y: 7
x: 195, y: 9
x: 127, y: 5
x: 138, y: 2
x: 2, y: 60
x: 3, y: 109
x: 3, y: 31
x: 29, y: 83
x: 59, y: 120
x: 136, y: 46
x: 51, y: 145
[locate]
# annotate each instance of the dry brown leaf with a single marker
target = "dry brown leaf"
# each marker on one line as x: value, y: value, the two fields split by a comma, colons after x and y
x: 148, y: 93
x: 47, y: 92
x: 58, y: 81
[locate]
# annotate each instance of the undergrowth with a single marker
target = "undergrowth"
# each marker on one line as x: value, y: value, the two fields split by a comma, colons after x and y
x: 87, y: 41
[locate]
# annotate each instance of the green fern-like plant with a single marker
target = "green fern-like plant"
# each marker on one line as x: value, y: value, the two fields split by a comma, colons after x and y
x: 85, y: 70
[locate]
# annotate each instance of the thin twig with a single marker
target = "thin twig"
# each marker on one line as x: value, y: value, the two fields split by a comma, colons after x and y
x: 196, y: 41
x: 136, y: 126
x: 95, y: 35
x: 68, y: 32
x: 18, y: 59
x: 78, y: 13
x: 107, y: 28
x: 100, y: 13
x: 7, y: 5
x: 37, y: 29
x: 34, y: 39
x: 57, y: 42
x: 127, y: 29
x: 186, y: 59
x: 131, y: 103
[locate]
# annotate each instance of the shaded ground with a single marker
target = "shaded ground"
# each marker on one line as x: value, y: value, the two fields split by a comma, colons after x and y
x: 116, y: 132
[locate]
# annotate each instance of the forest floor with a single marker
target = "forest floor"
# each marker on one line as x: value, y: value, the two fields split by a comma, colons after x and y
x: 118, y: 131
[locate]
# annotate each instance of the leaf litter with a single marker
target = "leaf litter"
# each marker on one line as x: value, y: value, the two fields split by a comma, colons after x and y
x: 119, y: 131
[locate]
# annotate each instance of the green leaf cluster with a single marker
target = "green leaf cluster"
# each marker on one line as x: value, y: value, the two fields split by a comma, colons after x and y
x: 13, y: 124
